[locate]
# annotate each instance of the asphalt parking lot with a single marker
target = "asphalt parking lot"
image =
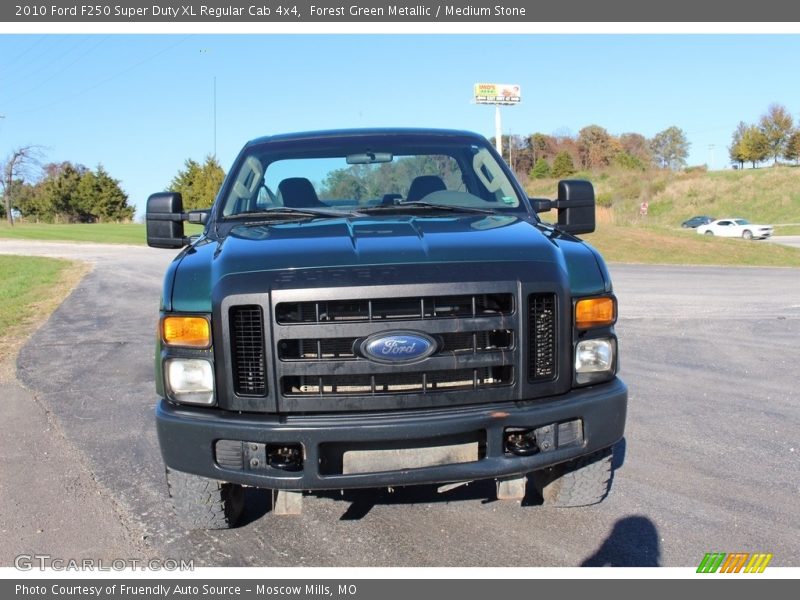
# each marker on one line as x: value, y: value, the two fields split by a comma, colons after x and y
x: 710, y: 460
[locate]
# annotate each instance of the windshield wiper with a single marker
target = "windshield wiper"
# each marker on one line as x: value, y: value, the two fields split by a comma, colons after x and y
x: 421, y: 204
x: 285, y: 212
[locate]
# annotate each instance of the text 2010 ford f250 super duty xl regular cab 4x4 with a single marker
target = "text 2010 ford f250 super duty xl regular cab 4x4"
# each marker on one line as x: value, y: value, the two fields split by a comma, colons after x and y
x: 378, y: 308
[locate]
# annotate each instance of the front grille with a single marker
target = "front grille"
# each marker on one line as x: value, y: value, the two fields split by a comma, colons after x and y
x: 247, y: 350
x: 344, y: 348
x: 542, y: 337
x: 395, y: 309
x: 397, y: 384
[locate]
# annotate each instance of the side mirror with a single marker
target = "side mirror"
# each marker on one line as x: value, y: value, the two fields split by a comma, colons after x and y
x: 164, y: 220
x: 575, y: 204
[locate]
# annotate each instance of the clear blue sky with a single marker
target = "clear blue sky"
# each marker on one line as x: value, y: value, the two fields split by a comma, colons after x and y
x: 141, y: 105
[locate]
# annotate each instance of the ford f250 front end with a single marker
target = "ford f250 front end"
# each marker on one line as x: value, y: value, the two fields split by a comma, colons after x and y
x: 375, y: 308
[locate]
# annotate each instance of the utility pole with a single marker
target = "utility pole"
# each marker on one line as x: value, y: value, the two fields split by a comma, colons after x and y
x: 7, y: 191
x: 215, y: 116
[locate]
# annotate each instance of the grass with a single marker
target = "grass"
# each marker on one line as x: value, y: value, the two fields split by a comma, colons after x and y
x: 767, y: 195
x: 630, y: 241
x: 661, y: 245
x: 32, y: 289
x: 109, y: 233
x: 102, y: 233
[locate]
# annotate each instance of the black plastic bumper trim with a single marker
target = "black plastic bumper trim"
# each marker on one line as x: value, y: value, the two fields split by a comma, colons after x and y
x: 187, y: 437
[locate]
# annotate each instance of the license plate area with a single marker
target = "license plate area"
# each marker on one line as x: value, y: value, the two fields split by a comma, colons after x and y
x: 376, y: 457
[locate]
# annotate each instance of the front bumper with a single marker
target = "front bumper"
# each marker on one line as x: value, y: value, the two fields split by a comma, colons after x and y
x: 188, y: 439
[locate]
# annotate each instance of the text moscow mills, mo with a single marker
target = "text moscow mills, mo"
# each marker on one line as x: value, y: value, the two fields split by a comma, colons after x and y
x: 187, y: 590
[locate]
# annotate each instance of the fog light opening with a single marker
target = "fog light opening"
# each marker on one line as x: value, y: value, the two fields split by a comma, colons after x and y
x: 285, y: 458
x: 520, y: 442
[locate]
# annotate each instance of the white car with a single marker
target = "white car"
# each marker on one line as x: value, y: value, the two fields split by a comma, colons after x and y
x: 736, y: 228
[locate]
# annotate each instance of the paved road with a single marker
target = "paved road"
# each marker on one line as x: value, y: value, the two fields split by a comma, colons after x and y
x: 786, y: 240
x: 711, y: 456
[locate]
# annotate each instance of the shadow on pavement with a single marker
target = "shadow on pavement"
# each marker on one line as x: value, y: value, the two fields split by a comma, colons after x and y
x: 633, y: 542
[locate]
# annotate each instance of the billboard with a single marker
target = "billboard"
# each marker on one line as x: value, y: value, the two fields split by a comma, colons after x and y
x: 496, y: 93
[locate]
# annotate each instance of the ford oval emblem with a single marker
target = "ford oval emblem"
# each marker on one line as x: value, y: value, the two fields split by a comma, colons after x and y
x: 398, y: 347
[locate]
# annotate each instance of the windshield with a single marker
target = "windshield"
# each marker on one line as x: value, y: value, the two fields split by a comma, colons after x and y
x: 364, y: 175
x: 741, y: 221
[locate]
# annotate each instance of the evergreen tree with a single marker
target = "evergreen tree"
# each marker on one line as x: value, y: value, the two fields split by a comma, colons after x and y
x: 563, y: 165
x: 540, y: 170
x: 198, y: 184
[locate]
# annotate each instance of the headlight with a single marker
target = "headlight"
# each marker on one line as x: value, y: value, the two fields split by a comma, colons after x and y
x: 190, y: 380
x: 594, y: 360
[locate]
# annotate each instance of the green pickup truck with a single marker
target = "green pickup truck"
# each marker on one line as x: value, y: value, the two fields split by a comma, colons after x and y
x: 381, y: 308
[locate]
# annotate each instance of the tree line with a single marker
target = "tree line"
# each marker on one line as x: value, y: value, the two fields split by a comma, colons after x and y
x: 774, y: 136
x: 60, y: 192
x: 540, y: 155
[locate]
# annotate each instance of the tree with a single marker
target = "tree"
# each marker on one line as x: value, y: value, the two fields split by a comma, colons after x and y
x: 563, y: 165
x: 670, y: 148
x: 99, y: 197
x: 596, y: 147
x: 541, y: 146
x: 635, y: 145
x: 58, y: 195
x: 776, y: 124
x: 736, y: 150
x: 625, y: 160
x: 198, y: 184
x: 792, y: 151
x: 16, y: 167
x: 541, y: 169
x: 754, y: 146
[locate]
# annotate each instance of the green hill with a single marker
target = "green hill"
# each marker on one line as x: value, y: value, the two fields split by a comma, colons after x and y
x: 768, y: 195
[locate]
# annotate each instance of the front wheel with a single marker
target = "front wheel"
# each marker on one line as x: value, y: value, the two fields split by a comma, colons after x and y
x: 203, y: 503
x: 709, y: 233
x: 747, y: 234
x: 580, y: 482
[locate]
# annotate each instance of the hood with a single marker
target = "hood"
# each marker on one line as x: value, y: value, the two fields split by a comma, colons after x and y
x: 375, y: 241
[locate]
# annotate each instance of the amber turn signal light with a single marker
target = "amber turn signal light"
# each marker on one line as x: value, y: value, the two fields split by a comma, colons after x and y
x: 595, y: 312
x: 192, y: 332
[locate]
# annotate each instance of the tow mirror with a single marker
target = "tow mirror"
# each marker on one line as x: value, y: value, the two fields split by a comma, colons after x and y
x: 575, y: 205
x: 165, y: 217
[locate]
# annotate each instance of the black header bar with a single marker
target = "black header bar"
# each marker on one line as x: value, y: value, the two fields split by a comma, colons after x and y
x: 374, y: 11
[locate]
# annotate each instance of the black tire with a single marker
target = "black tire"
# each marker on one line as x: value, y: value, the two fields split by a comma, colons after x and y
x: 709, y: 233
x: 581, y: 482
x: 202, y: 503
x: 747, y: 234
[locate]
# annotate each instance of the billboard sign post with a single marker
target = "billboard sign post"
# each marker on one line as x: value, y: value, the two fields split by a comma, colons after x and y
x: 497, y: 94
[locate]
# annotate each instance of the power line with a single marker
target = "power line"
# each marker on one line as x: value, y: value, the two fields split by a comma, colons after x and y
x: 104, y: 81
x: 58, y: 72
